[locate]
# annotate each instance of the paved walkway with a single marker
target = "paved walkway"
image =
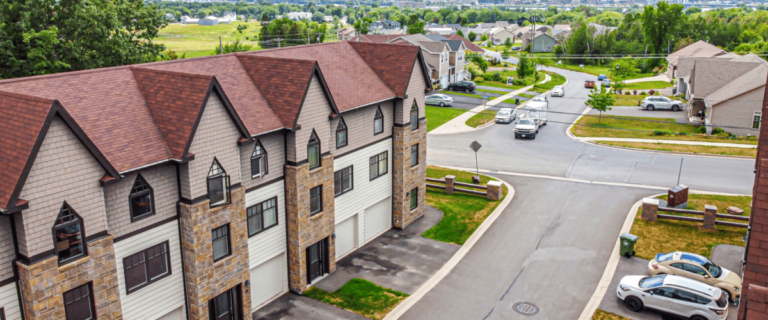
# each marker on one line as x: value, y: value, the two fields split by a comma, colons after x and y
x: 691, y: 143
x: 661, y: 77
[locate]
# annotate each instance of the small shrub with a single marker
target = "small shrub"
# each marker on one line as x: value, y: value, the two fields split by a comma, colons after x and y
x: 497, y: 76
x: 488, y: 77
x: 651, y: 92
x: 627, y: 93
x: 732, y: 136
x: 718, y: 131
x: 634, y: 92
x: 660, y: 132
x: 506, y: 65
x: 682, y: 133
x: 643, y: 93
x: 519, y: 82
x: 701, y: 129
x: 479, y: 79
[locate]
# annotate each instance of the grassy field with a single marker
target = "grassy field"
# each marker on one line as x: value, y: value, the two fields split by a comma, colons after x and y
x: 437, y: 116
x: 551, y: 60
x: 725, y: 151
x: 642, y: 128
x: 462, y: 213
x: 197, y: 40
x: 555, y: 80
x: 481, y: 118
x: 360, y: 296
x: 665, y: 236
x: 647, y: 85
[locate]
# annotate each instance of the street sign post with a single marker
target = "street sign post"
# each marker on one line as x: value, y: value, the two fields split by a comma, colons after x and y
x: 485, y: 98
x: 475, y: 146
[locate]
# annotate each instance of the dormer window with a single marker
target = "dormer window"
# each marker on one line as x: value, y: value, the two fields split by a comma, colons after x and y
x: 218, y: 184
x: 258, y: 161
x: 378, y: 122
x: 414, y: 116
x: 141, y: 199
x: 68, y: 235
x: 313, y: 151
x: 341, y: 134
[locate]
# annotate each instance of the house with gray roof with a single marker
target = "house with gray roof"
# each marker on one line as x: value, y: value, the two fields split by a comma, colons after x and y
x: 699, y: 48
x: 542, y: 42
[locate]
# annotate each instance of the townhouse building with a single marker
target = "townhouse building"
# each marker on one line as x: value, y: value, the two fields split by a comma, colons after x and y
x: 204, y: 188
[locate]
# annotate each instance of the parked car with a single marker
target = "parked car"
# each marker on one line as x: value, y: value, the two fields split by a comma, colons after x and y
x: 558, y: 91
x: 699, y: 268
x: 516, y: 48
x: 589, y: 84
x: 673, y: 294
x: 439, y: 100
x: 466, y: 86
x: 607, y: 83
x: 506, y: 115
x: 660, y: 102
x: 602, y: 77
x: 526, y: 128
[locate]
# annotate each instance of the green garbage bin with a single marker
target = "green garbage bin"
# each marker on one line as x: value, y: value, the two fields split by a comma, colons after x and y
x: 628, y: 244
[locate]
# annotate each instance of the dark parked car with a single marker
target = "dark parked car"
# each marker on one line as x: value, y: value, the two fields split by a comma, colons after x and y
x: 589, y: 84
x: 516, y: 48
x: 466, y: 86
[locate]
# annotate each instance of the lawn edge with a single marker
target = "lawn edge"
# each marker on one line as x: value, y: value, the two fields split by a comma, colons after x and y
x: 411, y: 300
x: 667, y: 152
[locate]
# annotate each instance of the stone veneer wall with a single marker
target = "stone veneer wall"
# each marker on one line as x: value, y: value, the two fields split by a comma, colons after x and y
x: 305, y: 230
x: 43, y: 284
x: 204, y: 278
x: 405, y: 177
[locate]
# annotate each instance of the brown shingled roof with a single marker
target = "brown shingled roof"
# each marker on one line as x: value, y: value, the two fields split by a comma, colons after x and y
x: 470, y: 46
x: 393, y: 63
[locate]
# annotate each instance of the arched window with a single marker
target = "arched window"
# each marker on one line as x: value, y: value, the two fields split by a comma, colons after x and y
x: 414, y: 116
x: 218, y: 184
x: 68, y: 235
x: 378, y: 122
x: 259, y: 166
x: 313, y: 151
x: 341, y: 134
x: 141, y: 199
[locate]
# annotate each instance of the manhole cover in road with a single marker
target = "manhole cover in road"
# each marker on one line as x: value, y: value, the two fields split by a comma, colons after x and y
x: 525, y: 308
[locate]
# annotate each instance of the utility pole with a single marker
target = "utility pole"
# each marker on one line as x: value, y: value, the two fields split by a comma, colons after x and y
x: 221, y: 49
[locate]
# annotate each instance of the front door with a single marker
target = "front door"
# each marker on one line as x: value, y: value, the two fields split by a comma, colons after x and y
x: 225, y: 305
x: 316, y: 255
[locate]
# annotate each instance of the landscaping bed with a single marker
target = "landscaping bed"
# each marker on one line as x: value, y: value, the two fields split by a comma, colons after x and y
x: 360, y: 296
x: 605, y: 315
x: 725, y: 151
x: 665, y: 236
x: 482, y: 118
x: 646, y: 128
x: 462, y: 213
x: 437, y: 116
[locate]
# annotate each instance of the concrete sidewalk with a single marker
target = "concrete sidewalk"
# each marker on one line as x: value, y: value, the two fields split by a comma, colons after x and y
x: 691, y: 143
x: 661, y: 77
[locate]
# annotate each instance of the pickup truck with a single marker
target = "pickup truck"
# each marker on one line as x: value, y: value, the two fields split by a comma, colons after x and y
x: 589, y: 84
x: 526, y: 128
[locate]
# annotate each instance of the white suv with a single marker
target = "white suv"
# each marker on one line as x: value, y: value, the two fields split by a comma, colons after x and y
x: 673, y: 294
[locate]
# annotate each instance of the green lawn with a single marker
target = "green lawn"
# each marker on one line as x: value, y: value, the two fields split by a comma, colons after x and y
x: 647, y: 85
x: 723, y: 151
x: 200, y: 40
x: 630, y: 100
x: 492, y: 91
x: 462, y: 213
x: 481, y: 118
x: 529, y: 96
x: 642, y: 128
x: 555, y: 80
x: 360, y: 296
x: 551, y: 60
x: 436, y: 116
x: 665, y: 236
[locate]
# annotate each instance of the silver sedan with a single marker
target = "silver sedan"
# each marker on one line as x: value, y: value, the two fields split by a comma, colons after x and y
x: 558, y: 91
x: 439, y: 100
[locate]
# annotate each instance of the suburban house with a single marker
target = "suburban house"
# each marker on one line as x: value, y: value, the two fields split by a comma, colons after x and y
x: 600, y: 29
x: 375, y: 38
x: 562, y: 26
x: 699, y: 48
x: 454, y: 26
x: 189, y: 20
x: 437, y: 56
x: 500, y: 35
x: 441, y: 31
x: 444, y: 57
x: 204, y: 188
x: 560, y: 35
x: 390, y: 24
x: 345, y: 33
x: 729, y: 92
x: 470, y: 47
x: 457, y: 61
x: 542, y: 42
x: 520, y: 33
x: 295, y: 16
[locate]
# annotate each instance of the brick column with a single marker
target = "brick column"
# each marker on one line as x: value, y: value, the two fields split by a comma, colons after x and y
x: 494, y: 190
x: 710, y: 213
x: 305, y: 229
x: 650, y: 209
x: 206, y: 279
x: 406, y: 177
x: 449, y: 180
x: 43, y: 284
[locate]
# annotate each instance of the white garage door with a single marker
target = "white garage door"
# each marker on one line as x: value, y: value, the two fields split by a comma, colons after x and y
x: 444, y: 81
x: 177, y: 314
x: 268, y: 280
x: 346, y: 236
x: 378, y: 218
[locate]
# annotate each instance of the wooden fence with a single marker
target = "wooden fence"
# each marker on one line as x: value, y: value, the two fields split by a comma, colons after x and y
x: 651, y: 209
x: 493, y: 189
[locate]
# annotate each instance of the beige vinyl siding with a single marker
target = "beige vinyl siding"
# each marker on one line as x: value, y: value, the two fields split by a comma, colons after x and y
x: 415, y: 90
x: 7, y: 252
x: 360, y: 127
x: 737, y: 112
x: 217, y: 137
x: 158, y: 298
x: 9, y: 301
x: 314, y: 116
x: 432, y: 59
x: 162, y: 180
x: 445, y: 66
x: 274, y: 145
x: 270, y: 242
x: 64, y: 170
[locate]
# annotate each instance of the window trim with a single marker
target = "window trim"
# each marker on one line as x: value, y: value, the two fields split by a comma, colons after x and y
x: 90, y: 298
x: 2, y: 313
x: 351, y: 181
x: 759, y: 122
x: 82, y: 236
x: 346, y: 133
x: 376, y: 117
x: 263, y: 158
x: 319, y: 150
x: 414, y: 109
x: 277, y: 217
x: 417, y: 155
x: 414, y: 191
x: 225, y: 178
x: 379, y: 174
x: 146, y: 267
x: 229, y: 243
x: 132, y: 195
x: 320, y: 210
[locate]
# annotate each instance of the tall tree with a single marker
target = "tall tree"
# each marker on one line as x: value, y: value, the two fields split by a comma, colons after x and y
x: 416, y: 27
x: 660, y: 23
x: 362, y: 25
x: 600, y: 99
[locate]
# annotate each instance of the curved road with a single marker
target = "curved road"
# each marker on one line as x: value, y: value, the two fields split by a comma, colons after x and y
x: 551, y: 244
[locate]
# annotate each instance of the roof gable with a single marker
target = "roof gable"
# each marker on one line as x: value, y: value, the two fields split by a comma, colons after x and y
x: 392, y: 63
x: 699, y: 48
x: 467, y: 44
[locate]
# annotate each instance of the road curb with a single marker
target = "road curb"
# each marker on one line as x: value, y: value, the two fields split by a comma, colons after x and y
x: 409, y: 302
x: 669, y: 152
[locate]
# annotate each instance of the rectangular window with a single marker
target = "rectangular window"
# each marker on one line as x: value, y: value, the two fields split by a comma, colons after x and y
x: 262, y: 216
x: 316, y: 199
x: 414, y: 198
x: 342, y: 180
x: 78, y: 303
x: 220, y: 238
x: 146, y: 267
x: 378, y: 165
x: 757, y: 117
x: 414, y: 154
x: 218, y: 190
